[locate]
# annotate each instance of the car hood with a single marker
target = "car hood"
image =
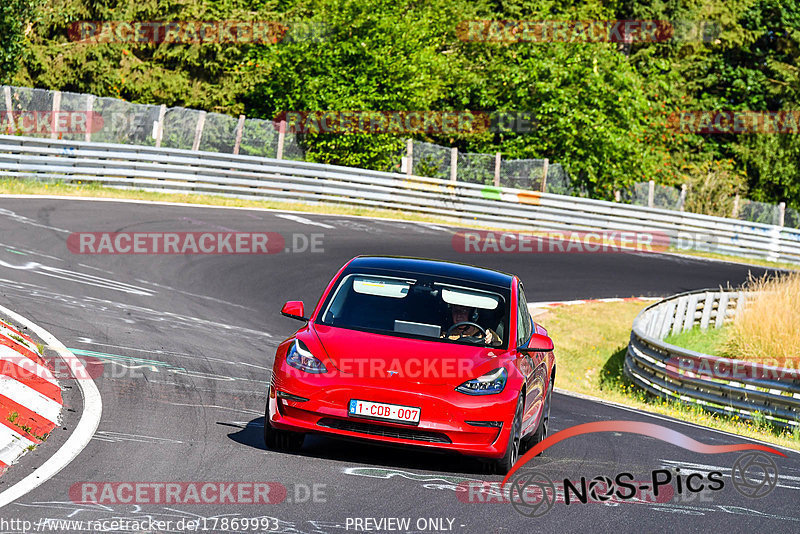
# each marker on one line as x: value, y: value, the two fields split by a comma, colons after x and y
x: 379, y: 357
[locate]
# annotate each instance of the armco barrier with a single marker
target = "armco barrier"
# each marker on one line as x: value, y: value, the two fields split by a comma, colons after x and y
x: 251, y: 177
x: 721, y: 385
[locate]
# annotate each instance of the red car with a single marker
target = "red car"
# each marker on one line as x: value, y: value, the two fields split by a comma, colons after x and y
x: 415, y: 352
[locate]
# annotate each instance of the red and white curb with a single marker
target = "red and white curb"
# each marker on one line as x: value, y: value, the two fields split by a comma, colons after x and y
x: 537, y: 308
x: 29, y: 388
x: 30, y: 397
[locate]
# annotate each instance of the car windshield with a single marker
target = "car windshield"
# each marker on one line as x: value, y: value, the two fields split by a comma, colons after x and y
x: 438, y: 309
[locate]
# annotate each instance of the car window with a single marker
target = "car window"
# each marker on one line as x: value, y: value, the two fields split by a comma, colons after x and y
x: 524, y: 322
x: 425, y: 306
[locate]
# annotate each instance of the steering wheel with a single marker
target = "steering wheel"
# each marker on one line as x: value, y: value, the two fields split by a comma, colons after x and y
x: 462, y: 323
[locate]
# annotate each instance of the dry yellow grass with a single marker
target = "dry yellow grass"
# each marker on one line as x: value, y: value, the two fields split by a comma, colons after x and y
x: 768, y: 329
x: 591, y: 340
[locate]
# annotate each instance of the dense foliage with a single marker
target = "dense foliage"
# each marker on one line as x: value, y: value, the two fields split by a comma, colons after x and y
x: 601, y: 109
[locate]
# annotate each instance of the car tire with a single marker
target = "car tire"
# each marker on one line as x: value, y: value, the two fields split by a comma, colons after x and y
x: 541, y: 431
x: 503, y: 465
x: 280, y: 440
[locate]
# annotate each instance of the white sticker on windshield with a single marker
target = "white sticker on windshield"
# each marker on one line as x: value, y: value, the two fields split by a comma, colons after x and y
x: 472, y: 299
x: 396, y: 289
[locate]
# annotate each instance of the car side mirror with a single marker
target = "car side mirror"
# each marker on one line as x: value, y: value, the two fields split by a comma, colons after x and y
x: 537, y: 343
x: 294, y: 310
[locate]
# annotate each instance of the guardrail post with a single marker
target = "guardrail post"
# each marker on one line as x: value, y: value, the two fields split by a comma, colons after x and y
x: 162, y: 112
x: 87, y: 136
x: 722, y: 310
x: 54, y: 118
x: 691, y: 311
x: 617, y: 195
x: 198, y: 130
x: 775, y: 234
x: 453, y: 164
x: 682, y: 199
x: 410, y: 157
x: 497, y: 169
x: 239, y: 128
x: 281, y: 139
x: 708, y: 306
x: 680, y: 315
x: 735, y: 211
x: 741, y: 301
x: 9, y: 109
x: 545, y: 167
x: 651, y: 193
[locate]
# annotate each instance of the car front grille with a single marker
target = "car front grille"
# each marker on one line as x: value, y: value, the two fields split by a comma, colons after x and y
x: 385, y: 431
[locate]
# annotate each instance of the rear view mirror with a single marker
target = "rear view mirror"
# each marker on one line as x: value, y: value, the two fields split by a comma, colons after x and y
x: 294, y: 310
x: 537, y: 343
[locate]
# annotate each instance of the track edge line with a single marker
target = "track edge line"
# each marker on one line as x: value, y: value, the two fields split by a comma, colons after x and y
x: 84, y: 430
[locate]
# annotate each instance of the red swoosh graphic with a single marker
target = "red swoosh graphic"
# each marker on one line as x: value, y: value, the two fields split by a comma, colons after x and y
x: 634, y: 427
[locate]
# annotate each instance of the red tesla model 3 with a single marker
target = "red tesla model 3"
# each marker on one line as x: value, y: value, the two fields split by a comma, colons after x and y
x: 415, y: 352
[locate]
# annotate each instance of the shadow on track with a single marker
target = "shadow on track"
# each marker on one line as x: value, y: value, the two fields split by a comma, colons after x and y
x: 362, y: 452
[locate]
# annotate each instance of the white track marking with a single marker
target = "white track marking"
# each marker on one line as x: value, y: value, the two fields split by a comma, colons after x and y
x: 25, y: 220
x: 12, y: 445
x: 588, y: 301
x: 118, y: 310
x: 303, y: 220
x: 183, y: 355
x: 116, y: 437
x: 7, y: 354
x: 784, y: 481
x: 205, y: 297
x: 80, y: 437
x: 16, y: 338
x: 436, y: 227
x: 14, y: 248
x: 30, y: 398
x: 74, y: 276
x: 207, y: 406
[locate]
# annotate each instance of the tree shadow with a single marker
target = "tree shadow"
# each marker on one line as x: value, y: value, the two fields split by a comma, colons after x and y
x: 613, y: 376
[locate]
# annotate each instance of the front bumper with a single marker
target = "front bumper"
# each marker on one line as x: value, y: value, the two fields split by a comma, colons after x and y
x: 448, y: 420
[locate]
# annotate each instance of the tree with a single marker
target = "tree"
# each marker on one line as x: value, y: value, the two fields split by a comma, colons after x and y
x: 15, y: 24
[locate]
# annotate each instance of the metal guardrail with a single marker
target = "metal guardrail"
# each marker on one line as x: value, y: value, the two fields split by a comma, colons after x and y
x: 252, y: 177
x: 721, y: 385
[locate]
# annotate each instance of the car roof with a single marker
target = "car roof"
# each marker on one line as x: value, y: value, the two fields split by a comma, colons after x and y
x: 400, y: 264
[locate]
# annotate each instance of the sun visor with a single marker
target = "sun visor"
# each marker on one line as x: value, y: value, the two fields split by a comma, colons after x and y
x: 472, y: 299
x: 380, y: 287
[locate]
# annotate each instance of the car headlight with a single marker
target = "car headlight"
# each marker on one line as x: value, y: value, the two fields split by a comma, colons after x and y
x: 489, y: 384
x: 299, y: 357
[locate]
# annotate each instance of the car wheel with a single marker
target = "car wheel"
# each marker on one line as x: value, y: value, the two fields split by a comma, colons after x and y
x: 541, y: 431
x: 504, y: 464
x: 280, y: 440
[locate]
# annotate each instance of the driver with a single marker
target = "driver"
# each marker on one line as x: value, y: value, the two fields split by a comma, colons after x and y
x: 461, y: 314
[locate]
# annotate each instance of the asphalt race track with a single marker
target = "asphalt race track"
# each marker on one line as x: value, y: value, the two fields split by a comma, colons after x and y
x: 187, y: 342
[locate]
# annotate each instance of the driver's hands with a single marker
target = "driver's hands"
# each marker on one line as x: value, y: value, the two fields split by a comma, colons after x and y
x: 491, y: 338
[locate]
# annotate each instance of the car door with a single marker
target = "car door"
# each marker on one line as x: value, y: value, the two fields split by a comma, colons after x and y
x: 535, y: 363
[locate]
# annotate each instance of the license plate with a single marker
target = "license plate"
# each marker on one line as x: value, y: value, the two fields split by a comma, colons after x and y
x: 380, y: 410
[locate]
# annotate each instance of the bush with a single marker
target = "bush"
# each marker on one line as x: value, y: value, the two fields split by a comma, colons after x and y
x: 712, y: 187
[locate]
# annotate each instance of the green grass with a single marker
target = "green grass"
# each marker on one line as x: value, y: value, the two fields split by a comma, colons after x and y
x: 709, y: 341
x: 80, y: 188
x: 591, y: 341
